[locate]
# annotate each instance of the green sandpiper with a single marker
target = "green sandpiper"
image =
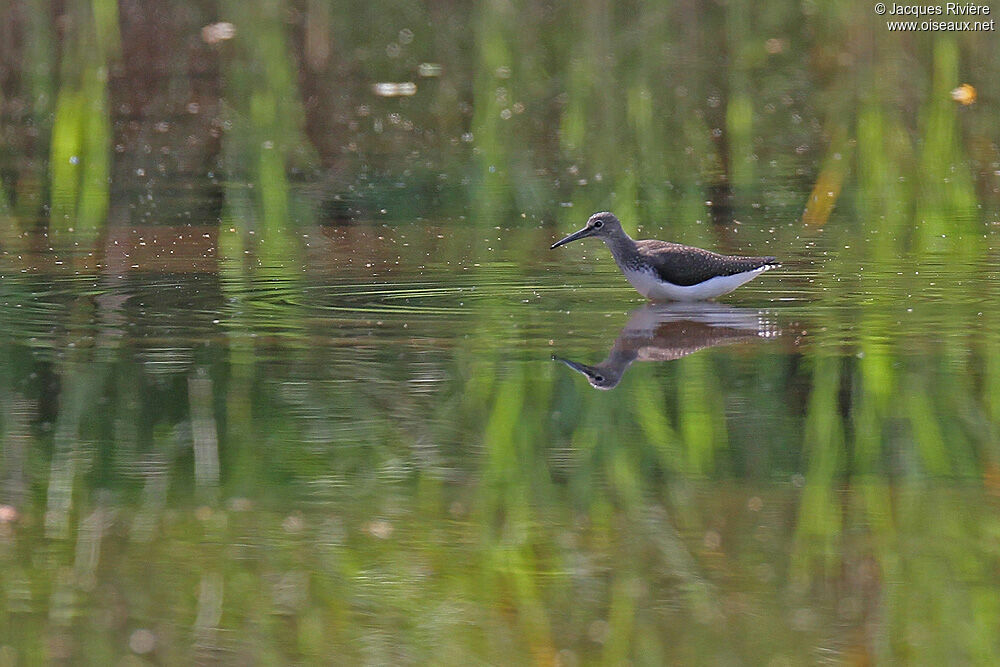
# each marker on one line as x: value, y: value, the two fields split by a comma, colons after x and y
x: 664, y: 271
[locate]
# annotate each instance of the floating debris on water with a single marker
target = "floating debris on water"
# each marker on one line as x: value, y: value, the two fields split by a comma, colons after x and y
x: 429, y: 70
x: 964, y: 94
x: 387, y: 89
x: 214, y: 33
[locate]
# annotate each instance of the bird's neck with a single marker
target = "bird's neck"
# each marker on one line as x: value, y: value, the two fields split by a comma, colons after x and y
x: 620, y: 357
x: 622, y: 247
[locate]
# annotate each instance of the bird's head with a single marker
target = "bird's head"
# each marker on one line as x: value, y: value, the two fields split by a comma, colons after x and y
x: 601, y: 225
x: 600, y: 376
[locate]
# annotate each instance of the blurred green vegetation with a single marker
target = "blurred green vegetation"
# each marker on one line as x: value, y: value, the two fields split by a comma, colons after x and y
x: 80, y: 154
x: 330, y: 431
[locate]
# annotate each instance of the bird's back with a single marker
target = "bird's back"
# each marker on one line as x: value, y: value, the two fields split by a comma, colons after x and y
x: 686, y: 265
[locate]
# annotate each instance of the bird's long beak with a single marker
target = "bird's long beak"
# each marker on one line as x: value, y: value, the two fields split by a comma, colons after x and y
x: 588, y: 371
x: 582, y: 234
x: 579, y: 368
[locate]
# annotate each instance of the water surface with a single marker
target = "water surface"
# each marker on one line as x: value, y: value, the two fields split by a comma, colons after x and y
x: 284, y: 357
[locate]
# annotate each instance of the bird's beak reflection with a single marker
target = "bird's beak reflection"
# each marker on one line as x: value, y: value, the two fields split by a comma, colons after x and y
x: 595, y: 376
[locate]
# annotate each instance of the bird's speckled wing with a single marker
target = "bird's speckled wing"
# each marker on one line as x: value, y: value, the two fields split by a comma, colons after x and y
x: 684, y: 265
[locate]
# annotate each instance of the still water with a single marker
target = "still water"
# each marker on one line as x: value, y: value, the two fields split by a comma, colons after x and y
x: 389, y: 465
x: 288, y: 372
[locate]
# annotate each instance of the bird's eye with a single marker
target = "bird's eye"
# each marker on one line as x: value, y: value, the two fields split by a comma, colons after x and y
x: 599, y: 378
x: 598, y: 224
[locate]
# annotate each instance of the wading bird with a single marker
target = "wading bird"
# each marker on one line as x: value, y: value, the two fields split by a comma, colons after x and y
x: 664, y: 271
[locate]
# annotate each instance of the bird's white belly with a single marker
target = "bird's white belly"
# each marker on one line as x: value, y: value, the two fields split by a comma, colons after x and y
x: 648, y: 284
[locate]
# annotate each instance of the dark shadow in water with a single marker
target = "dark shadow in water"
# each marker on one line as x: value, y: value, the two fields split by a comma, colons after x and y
x: 664, y: 332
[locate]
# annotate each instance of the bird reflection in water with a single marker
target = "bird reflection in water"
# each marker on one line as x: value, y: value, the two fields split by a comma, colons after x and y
x: 664, y: 332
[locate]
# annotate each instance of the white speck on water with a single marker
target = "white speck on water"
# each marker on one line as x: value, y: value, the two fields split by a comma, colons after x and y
x: 142, y: 641
x: 391, y: 89
x: 429, y: 70
x: 218, y: 32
